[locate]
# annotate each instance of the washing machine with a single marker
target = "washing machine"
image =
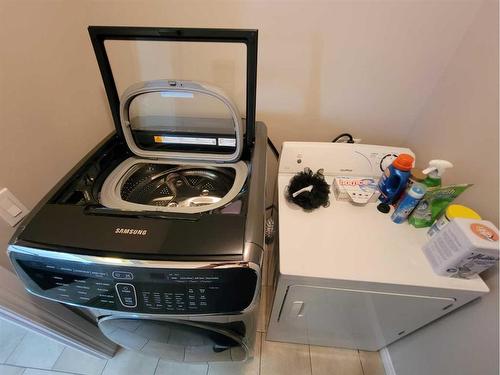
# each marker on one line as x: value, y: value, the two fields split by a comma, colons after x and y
x: 158, y: 233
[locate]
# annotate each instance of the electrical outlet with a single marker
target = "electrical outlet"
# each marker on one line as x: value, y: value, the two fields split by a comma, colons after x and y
x: 357, y: 140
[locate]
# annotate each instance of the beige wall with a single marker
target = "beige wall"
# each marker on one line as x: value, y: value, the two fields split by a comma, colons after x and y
x: 460, y: 122
x: 325, y: 67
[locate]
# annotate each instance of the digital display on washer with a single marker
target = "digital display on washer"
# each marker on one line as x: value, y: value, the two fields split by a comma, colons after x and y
x: 146, y: 290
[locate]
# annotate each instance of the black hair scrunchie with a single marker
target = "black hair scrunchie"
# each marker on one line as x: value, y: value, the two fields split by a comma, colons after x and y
x: 314, y: 188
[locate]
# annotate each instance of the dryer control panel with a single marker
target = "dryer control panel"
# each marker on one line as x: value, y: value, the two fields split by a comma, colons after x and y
x: 138, y: 289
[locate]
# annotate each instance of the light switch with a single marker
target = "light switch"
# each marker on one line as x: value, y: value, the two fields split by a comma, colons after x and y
x: 11, y: 209
x: 14, y: 210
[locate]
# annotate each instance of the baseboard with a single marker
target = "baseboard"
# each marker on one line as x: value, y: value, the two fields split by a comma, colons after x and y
x: 385, y: 356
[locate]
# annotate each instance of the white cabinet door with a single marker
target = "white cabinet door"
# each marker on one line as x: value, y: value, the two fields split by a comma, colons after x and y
x: 358, y: 319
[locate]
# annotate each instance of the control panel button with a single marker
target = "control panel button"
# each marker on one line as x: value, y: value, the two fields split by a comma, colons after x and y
x: 126, y: 294
x: 121, y: 275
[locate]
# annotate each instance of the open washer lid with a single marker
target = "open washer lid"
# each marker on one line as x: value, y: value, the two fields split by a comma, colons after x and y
x: 177, y: 119
x: 153, y: 79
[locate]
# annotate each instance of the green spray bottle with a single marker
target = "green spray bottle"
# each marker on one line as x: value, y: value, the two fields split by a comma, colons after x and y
x: 434, y: 172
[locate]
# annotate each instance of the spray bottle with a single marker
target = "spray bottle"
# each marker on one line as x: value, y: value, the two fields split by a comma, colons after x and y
x: 434, y: 172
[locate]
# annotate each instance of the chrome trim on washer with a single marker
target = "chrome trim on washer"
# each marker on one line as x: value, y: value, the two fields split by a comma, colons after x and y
x: 254, y: 228
x: 239, y: 339
x: 90, y: 259
x: 110, y: 195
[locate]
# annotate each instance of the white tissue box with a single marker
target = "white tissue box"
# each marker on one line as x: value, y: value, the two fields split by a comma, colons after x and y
x: 359, y: 190
x: 463, y: 248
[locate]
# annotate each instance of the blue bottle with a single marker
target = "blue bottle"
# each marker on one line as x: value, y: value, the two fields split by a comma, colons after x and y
x: 395, y: 177
x: 409, y: 201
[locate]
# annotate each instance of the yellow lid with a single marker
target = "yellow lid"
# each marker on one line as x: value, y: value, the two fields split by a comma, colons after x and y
x: 457, y: 210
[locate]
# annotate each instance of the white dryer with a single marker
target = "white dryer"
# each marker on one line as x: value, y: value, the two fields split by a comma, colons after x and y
x: 348, y: 276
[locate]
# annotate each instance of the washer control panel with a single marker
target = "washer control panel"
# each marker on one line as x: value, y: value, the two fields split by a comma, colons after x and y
x: 136, y: 289
x: 126, y: 294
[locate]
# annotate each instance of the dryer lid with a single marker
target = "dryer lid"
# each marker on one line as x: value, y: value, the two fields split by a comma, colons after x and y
x: 164, y: 111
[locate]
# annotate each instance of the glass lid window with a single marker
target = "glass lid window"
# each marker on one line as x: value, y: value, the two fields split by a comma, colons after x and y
x: 176, y: 120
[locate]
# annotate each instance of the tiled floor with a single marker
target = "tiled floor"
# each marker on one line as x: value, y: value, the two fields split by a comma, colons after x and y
x: 27, y: 353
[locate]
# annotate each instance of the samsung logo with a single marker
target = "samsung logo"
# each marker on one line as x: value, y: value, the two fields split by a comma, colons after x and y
x: 346, y: 170
x: 134, y: 232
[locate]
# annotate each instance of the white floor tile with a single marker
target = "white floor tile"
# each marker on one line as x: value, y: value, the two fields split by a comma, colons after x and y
x: 127, y: 339
x: 371, y: 362
x: 176, y: 368
x: 128, y: 362
x: 11, y: 370
x: 335, y: 361
x: 205, y: 353
x: 279, y: 358
x: 75, y: 361
x: 35, y: 350
x: 164, y: 351
x: 33, y: 371
x: 10, y: 337
x: 250, y: 367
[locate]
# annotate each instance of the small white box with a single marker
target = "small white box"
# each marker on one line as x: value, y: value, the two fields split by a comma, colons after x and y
x: 360, y: 190
x: 463, y: 248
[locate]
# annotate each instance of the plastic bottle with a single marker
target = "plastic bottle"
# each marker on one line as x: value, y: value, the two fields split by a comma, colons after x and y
x: 395, y: 177
x: 434, y: 172
x: 409, y: 201
x: 416, y: 176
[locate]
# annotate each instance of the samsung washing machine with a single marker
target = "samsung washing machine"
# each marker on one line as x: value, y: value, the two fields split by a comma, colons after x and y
x: 158, y: 232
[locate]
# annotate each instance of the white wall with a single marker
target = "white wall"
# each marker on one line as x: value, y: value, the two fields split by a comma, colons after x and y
x: 460, y: 122
x: 325, y: 67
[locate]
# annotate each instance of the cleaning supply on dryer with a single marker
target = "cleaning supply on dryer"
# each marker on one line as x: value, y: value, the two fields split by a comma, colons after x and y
x: 453, y: 211
x: 357, y: 190
x: 435, y: 171
x: 433, y: 204
x: 416, y: 176
x: 464, y: 248
x: 409, y: 201
x: 394, y: 179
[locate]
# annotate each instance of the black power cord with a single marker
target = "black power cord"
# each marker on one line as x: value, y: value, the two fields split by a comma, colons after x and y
x: 343, y: 135
x: 273, y: 148
x: 277, y: 155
